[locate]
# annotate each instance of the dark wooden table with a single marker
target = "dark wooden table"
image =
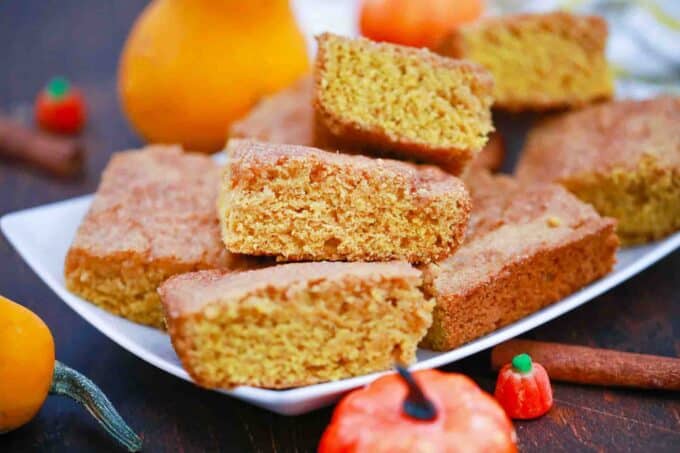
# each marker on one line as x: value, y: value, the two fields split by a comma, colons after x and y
x: 82, y: 40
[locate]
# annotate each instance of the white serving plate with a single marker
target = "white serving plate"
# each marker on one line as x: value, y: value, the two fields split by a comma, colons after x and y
x: 43, y: 234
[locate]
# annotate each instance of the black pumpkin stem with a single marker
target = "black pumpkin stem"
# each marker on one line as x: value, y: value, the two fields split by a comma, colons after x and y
x: 416, y: 405
x: 68, y: 382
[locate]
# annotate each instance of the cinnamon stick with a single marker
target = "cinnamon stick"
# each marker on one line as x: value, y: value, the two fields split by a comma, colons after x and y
x: 585, y: 365
x: 57, y: 155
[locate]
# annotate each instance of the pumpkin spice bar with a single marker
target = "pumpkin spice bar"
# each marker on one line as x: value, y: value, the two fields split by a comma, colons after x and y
x: 622, y: 157
x: 295, y: 324
x: 152, y: 217
x: 284, y: 117
x: 526, y: 248
x: 538, y: 61
x: 383, y: 98
x: 492, y: 156
x: 288, y: 117
x: 299, y: 203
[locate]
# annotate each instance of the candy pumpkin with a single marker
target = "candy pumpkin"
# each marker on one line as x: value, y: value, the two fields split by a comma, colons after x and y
x: 60, y: 107
x: 428, y: 411
x: 29, y: 372
x: 191, y: 67
x: 523, y: 388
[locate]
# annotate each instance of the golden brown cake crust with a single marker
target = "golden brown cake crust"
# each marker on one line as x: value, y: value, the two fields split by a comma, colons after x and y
x: 285, y: 117
x: 527, y: 247
x: 296, y: 324
x: 189, y: 293
x: 590, y: 32
x: 153, y: 216
x: 501, y: 201
x: 491, y: 157
x: 603, y: 137
x: 132, y: 211
x: 288, y: 117
x: 332, y: 130
x: 321, y: 205
x: 623, y: 157
x: 374, y: 143
x: 425, y: 180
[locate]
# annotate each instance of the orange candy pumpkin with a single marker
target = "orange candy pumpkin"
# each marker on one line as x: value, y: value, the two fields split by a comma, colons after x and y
x: 427, y: 411
x: 60, y: 107
x: 523, y: 388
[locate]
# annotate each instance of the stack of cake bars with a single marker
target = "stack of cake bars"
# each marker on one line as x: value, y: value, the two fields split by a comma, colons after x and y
x: 356, y: 218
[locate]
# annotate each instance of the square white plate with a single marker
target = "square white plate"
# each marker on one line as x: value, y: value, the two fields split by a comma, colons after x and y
x: 42, y: 236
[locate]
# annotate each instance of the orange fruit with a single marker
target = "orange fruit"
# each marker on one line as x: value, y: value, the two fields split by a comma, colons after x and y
x: 191, y: 67
x: 26, y: 364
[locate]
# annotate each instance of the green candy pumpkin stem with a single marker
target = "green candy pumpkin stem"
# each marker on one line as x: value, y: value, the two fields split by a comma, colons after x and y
x: 58, y: 87
x: 521, y: 363
x: 67, y: 381
x: 416, y: 405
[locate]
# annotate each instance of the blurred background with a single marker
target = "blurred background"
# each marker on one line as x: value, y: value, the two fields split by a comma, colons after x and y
x: 644, y: 35
x: 82, y: 41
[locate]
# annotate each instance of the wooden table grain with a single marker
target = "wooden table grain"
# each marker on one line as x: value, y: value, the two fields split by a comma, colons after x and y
x: 82, y: 41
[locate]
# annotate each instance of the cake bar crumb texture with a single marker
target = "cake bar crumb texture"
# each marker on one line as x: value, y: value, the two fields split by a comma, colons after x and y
x: 383, y: 98
x: 295, y: 324
x: 153, y: 216
x: 538, y: 61
x: 284, y: 117
x: 299, y: 203
x: 622, y: 157
x: 526, y: 248
x: 288, y: 117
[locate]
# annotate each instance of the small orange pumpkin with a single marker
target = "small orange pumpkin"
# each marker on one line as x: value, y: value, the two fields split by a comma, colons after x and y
x: 29, y: 372
x: 427, y: 411
x: 26, y: 364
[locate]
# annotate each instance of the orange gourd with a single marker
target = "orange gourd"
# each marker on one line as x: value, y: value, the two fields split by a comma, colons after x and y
x: 419, y: 23
x: 26, y: 364
x: 191, y: 67
x: 427, y: 411
x: 29, y: 372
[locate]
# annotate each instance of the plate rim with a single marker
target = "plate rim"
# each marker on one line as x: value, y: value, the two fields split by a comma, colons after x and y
x: 277, y: 400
